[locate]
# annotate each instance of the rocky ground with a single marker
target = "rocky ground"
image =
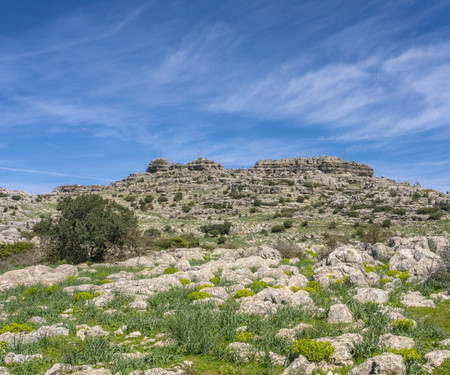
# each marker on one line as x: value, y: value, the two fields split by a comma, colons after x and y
x: 290, y: 275
x: 228, y: 311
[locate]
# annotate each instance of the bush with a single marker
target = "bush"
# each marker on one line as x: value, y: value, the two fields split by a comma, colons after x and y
x: 7, y: 249
x: 278, y: 229
x: 87, y: 227
x: 288, y: 224
x: 407, y: 354
x: 403, y: 324
x: 184, y: 282
x: 170, y: 270
x: 82, y: 296
x: 198, y: 295
x: 314, y: 351
x: 178, y: 196
x: 162, y: 199
x: 258, y: 285
x: 374, y: 234
x: 16, y: 328
x: 216, y: 230
x: 241, y: 293
x: 175, y: 242
x: 244, y: 336
x: 386, y: 223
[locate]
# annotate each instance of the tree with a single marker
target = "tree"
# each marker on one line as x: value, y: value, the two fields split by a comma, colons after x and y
x: 87, y: 227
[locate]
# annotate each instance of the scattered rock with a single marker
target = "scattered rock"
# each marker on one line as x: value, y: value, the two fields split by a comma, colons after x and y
x: 384, y: 364
x: 340, y: 313
x: 374, y: 295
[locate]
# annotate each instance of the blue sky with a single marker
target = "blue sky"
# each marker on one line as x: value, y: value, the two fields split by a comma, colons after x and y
x: 91, y: 91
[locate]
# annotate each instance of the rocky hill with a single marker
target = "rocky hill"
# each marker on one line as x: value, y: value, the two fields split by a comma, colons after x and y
x: 294, y: 266
x: 313, y: 193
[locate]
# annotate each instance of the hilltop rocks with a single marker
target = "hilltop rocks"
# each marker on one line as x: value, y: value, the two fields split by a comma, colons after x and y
x: 158, y: 165
x: 200, y: 164
x: 325, y: 164
x: 36, y: 274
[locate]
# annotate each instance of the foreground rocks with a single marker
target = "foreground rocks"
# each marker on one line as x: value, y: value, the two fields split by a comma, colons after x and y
x: 384, y: 364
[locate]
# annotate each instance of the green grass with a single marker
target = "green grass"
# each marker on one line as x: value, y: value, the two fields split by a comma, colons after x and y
x: 439, y: 316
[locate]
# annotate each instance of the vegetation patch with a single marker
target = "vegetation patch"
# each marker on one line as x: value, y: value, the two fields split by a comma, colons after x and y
x: 314, y: 351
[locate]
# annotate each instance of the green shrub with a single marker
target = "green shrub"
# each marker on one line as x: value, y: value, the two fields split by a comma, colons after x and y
x: 386, y: 223
x: 216, y: 230
x: 203, y: 286
x: 368, y: 268
x: 278, y: 229
x: 31, y: 291
x: 295, y: 289
x: 14, y: 248
x: 314, y: 351
x: 403, y: 324
x: 178, y: 196
x: 241, y: 293
x: 385, y: 281
x: 87, y: 227
x: 284, y: 261
x: 72, y: 278
x: 288, y: 224
x: 162, y: 199
x: 258, y: 285
x: 244, y: 336
x: 314, y: 285
x: 82, y: 296
x: 16, y: 328
x: 214, y: 280
x: 2, y: 346
x: 393, y: 273
x: 407, y: 354
x: 404, y: 276
x: 175, y: 242
x: 170, y: 270
x: 198, y: 295
x: 184, y: 282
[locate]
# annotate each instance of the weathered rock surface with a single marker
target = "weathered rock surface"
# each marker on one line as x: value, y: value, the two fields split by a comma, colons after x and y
x: 384, y: 364
x: 373, y: 295
x: 389, y: 341
x: 340, y: 313
x: 415, y: 299
x: 12, y: 339
x: 436, y: 358
x: 36, y: 274
x: 419, y: 262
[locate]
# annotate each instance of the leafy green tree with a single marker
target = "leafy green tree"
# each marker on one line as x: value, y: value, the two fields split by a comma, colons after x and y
x: 87, y: 227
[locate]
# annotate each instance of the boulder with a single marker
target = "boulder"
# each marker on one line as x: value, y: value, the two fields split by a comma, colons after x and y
x: 435, y: 359
x: 389, y: 341
x: 266, y: 252
x: 374, y: 295
x: 415, y: 299
x: 35, y: 275
x: 384, y: 364
x: 420, y: 263
x: 340, y: 313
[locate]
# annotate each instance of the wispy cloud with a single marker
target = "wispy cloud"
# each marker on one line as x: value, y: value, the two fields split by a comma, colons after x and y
x: 55, y: 174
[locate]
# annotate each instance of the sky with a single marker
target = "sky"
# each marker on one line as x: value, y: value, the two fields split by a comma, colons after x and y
x: 91, y: 91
